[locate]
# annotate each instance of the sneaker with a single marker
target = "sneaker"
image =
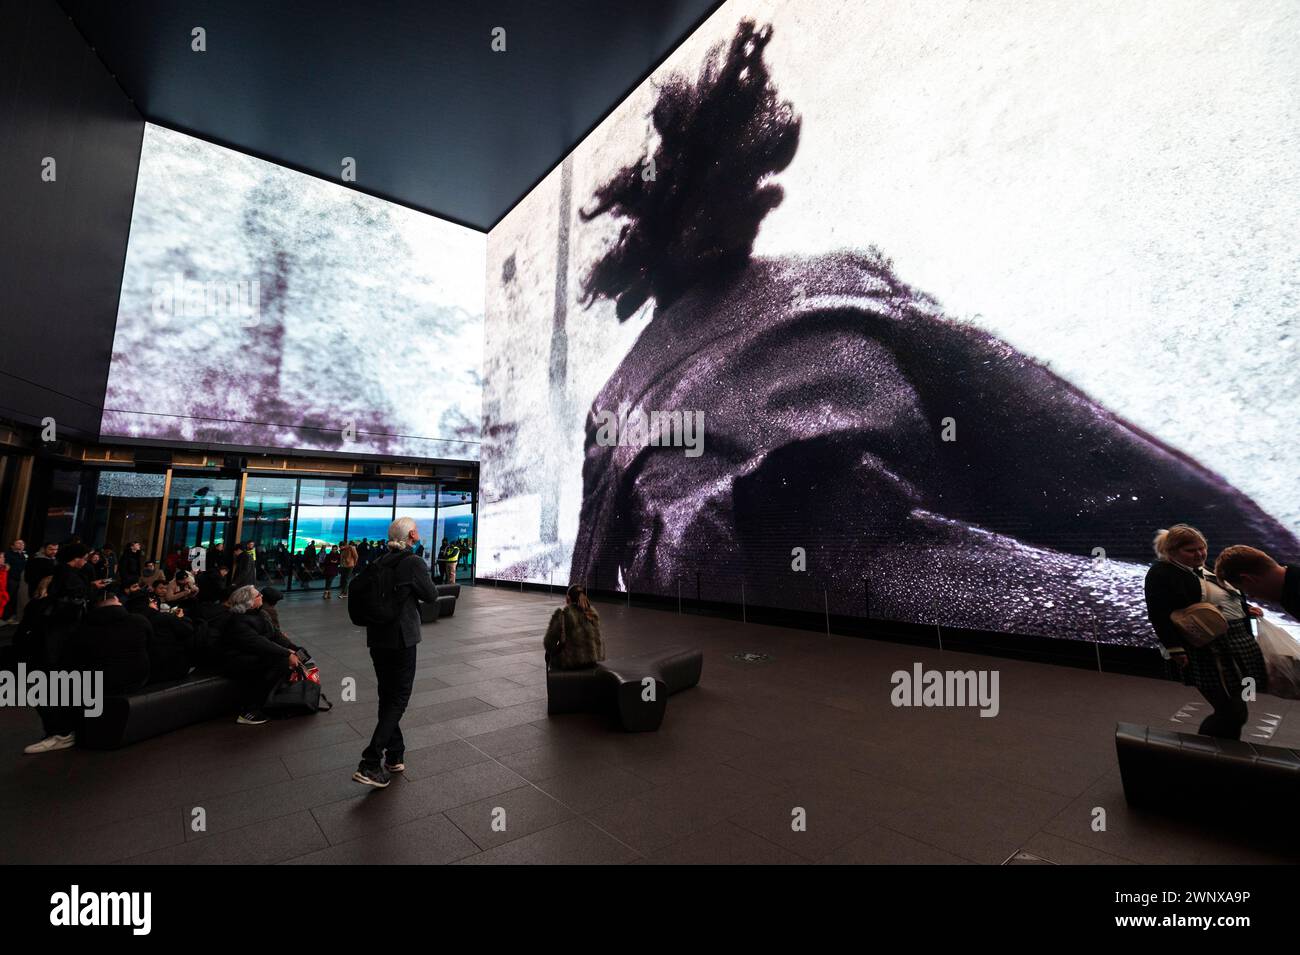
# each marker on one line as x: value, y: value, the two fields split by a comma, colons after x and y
x: 51, y: 743
x: 398, y: 767
x: 251, y: 718
x: 375, y: 776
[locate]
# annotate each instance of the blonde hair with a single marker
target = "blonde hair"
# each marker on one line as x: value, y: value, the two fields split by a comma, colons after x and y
x: 1170, y: 540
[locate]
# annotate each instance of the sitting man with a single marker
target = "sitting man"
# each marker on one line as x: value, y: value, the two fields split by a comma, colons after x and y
x: 114, y: 640
x: 107, y: 639
x: 171, y: 638
x: 181, y: 589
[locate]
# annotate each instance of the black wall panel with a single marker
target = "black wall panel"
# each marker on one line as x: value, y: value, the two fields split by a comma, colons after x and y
x: 62, y: 243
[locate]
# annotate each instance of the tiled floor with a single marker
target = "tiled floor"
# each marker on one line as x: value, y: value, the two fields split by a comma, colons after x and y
x: 811, y: 733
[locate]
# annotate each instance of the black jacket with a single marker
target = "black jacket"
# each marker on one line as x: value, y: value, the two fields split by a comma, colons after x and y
x: 130, y: 565
x: 212, y: 589
x: 114, y: 641
x: 29, y: 635
x: 38, y: 568
x: 245, y: 573
x: 1291, y: 591
x: 413, y: 586
x: 1169, y: 588
x: 17, y: 561
x: 170, y: 644
x: 249, y: 642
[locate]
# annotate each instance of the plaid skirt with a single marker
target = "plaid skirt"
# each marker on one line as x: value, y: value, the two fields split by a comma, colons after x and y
x: 1221, y: 666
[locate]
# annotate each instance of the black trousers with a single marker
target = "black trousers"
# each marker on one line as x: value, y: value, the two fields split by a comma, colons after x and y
x: 395, y: 672
x: 1229, y: 716
x: 256, y: 683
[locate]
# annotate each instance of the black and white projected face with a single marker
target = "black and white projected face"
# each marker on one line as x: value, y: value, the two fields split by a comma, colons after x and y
x: 265, y: 308
x: 931, y: 313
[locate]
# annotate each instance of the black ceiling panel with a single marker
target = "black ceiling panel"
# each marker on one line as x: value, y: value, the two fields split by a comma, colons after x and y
x: 434, y: 118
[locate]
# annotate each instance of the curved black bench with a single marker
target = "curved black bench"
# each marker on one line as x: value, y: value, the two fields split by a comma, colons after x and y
x: 158, y: 709
x: 1177, y: 772
x: 619, y: 686
x: 445, y: 605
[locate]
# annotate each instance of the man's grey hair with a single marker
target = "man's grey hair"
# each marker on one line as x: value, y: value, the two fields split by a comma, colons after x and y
x: 241, y: 601
x: 399, y: 533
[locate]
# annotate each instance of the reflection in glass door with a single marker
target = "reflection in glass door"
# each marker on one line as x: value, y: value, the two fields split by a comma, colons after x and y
x: 268, y: 523
x: 456, y: 527
x: 201, y: 512
x: 319, y: 522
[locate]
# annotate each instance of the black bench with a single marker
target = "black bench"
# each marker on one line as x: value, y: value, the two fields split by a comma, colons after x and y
x: 159, y: 709
x: 1183, y: 772
x: 447, y: 597
x: 619, y: 686
x: 445, y: 605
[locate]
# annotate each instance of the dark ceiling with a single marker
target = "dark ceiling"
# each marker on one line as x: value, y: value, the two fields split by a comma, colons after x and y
x: 412, y: 90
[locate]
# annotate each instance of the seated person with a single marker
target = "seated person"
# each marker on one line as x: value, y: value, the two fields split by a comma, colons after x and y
x: 182, y: 589
x: 170, y: 641
x: 150, y: 574
x: 158, y: 592
x: 1260, y: 577
x: 253, y: 653
x: 214, y: 585
x: 573, y: 636
x: 112, y: 640
x: 29, y: 638
x: 270, y: 598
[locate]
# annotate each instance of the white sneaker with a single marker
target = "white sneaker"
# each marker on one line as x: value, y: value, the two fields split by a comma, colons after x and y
x: 51, y: 743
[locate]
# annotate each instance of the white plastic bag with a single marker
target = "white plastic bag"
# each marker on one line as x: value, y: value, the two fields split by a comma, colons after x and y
x: 1281, y: 659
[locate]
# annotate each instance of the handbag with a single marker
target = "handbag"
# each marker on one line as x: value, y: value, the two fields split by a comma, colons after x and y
x: 1281, y: 659
x: 299, y: 692
x: 1201, y: 623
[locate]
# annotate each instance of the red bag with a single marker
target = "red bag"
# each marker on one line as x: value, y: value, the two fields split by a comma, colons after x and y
x: 311, y: 672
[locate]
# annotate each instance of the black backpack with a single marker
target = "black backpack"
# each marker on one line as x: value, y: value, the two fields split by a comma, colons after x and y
x: 373, y: 600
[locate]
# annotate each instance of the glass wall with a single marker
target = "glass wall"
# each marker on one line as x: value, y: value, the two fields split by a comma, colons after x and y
x: 420, y: 501
x: 320, y: 523
x: 292, y: 522
x: 456, y: 529
x: 128, y: 506
x: 370, y: 512
x: 201, y: 512
x: 268, y: 522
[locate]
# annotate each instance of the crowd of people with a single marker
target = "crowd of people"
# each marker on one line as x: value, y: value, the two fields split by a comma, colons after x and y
x: 139, y: 624
x: 317, y: 563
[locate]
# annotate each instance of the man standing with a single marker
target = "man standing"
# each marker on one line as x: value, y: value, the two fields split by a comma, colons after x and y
x: 131, y: 564
x: 448, y: 558
x: 347, y: 564
x: 393, y: 650
x: 40, y: 567
x: 16, y: 558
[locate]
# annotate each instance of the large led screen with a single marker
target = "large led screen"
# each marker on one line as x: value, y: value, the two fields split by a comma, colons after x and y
x: 264, y: 308
x: 923, y: 312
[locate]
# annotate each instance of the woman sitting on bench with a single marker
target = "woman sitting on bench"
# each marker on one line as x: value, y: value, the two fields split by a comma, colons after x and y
x: 573, y: 636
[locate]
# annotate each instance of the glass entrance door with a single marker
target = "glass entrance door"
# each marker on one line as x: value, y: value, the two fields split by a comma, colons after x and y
x: 201, y: 512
